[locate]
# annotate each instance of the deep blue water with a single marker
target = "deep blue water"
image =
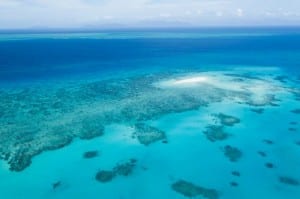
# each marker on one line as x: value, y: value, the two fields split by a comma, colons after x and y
x: 38, y: 58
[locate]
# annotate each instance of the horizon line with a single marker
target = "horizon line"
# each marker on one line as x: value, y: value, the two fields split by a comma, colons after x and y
x: 136, y: 28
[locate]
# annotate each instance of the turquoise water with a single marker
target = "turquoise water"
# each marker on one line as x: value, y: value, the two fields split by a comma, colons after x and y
x: 174, y: 101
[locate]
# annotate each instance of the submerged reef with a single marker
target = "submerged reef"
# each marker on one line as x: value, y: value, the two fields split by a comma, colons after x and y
x: 191, y: 190
x: 123, y: 169
x: 55, y: 185
x: 228, y: 120
x: 236, y: 173
x: 232, y: 153
x: 289, y: 181
x: 61, y: 112
x: 262, y: 153
x: 90, y: 154
x: 216, y: 133
x: 105, y: 176
x: 296, y: 111
x: 126, y: 168
x: 296, y: 93
x: 234, y: 184
x: 258, y: 110
x: 269, y: 165
x: 91, y: 129
x: 147, y: 134
x: 281, y: 78
x: 267, y: 141
x: 292, y: 129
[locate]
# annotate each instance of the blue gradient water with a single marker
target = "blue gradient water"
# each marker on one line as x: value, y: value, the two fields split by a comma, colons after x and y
x: 50, y: 56
x: 59, y: 58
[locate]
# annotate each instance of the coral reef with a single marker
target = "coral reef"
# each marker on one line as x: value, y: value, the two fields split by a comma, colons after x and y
x: 289, y: 181
x: 90, y: 154
x: 216, y: 133
x: 232, y: 153
x: 147, y: 134
x: 91, y: 129
x: 262, y: 153
x: 267, y: 141
x: 269, y: 165
x: 190, y: 190
x: 105, y: 176
x: 236, y: 173
x: 234, y: 184
x: 292, y: 129
x: 123, y: 169
x: 281, y: 78
x: 296, y: 93
x: 258, y: 110
x: 55, y: 185
x: 228, y: 120
x: 296, y: 111
x: 61, y: 112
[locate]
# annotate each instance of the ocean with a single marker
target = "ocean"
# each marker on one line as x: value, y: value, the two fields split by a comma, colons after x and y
x: 150, y: 113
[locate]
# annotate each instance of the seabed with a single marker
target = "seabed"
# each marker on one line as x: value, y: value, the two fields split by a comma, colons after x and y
x: 188, y: 134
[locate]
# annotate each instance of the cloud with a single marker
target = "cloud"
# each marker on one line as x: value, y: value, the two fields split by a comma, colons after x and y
x: 97, y: 13
x: 240, y: 12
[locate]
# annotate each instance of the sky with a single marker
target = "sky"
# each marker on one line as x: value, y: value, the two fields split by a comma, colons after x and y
x: 27, y: 14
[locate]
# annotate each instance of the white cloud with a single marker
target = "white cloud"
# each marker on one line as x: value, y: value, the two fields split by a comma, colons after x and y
x: 240, y: 12
x: 80, y: 13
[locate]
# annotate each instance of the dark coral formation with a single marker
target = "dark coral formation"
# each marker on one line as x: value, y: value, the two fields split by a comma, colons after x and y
x: 262, y: 153
x: 234, y: 184
x: 23, y: 152
x: 91, y: 129
x: 165, y: 141
x: 147, y: 134
x: 123, y: 169
x: 267, y: 141
x: 289, y: 181
x: 292, y: 129
x: 258, y: 110
x: 232, y: 153
x: 296, y: 111
x: 105, y: 176
x: 216, y: 133
x: 55, y: 185
x: 236, y: 173
x: 281, y: 78
x: 296, y: 93
x: 190, y: 190
x: 228, y: 120
x: 90, y: 154
x: 269, y: 165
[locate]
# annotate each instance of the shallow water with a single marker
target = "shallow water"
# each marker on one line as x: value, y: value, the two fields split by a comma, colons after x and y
x: 152, y: 97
